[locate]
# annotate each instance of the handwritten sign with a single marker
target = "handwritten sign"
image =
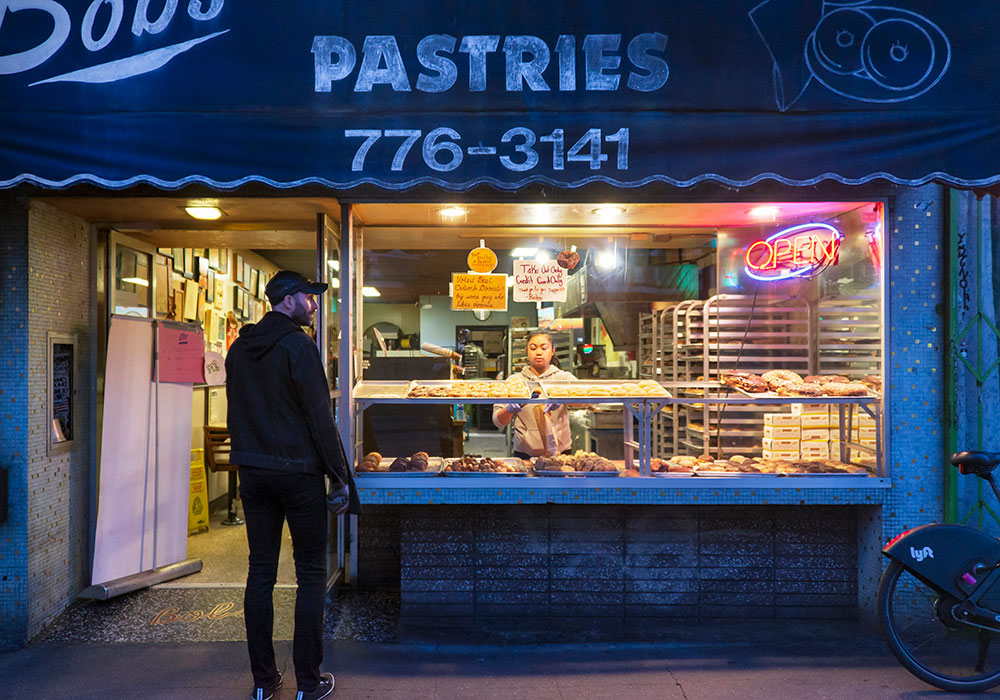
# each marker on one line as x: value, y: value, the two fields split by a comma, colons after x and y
x: 539, y: 281
x: 62, y: 392
x: 181, y: 355
x: 479, y: 292
x: 482, y: 260
x: 215, y: 369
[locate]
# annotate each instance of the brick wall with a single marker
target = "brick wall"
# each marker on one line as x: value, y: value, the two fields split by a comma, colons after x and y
x: 59, y: 301
x: 13, y: 420
x: 621, y: 571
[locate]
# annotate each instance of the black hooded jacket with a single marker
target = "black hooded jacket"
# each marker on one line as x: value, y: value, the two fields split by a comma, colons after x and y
x: 279, y: 403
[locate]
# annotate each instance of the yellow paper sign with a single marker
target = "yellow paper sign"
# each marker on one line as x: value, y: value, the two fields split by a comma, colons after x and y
x: 478, y: 292
x: 482, y: 260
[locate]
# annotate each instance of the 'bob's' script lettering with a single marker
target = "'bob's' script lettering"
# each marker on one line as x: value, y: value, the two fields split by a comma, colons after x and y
x: 525, y: 60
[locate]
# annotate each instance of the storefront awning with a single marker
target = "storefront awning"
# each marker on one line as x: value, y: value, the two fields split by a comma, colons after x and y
x: 458, y: 94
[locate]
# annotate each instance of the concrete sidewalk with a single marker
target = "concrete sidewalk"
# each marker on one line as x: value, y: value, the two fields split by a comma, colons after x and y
x: 844, y: 664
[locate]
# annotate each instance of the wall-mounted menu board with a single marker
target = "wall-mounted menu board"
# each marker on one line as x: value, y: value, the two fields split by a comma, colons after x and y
x: 61, y: 391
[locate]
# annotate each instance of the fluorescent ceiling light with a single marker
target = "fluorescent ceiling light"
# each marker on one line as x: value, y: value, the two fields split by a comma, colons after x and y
x: 335, y: 282
x: 523, y: 252
x: 608, y: 211
x: 765, y: 212
x: 370, y: 292
x: 136, y: 280
x: 204, y: 213
x: 335, y: 264
x: 452, y: 211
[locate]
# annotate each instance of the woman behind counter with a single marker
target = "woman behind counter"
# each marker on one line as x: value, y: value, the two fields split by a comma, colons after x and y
x: 528, y: 438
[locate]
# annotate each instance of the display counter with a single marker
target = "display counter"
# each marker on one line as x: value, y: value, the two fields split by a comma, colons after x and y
x: 640, y: 477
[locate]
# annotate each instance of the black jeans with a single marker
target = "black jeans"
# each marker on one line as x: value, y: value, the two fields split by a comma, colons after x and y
x: 271, y: 496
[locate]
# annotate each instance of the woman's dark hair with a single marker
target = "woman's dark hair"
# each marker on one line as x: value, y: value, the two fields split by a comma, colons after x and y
x: 535, y: 334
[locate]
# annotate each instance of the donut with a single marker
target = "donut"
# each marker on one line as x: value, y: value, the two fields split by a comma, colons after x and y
x: 846, y: 389
x: 782, y: 374
x: 568, y: 259
x: 826, y: 379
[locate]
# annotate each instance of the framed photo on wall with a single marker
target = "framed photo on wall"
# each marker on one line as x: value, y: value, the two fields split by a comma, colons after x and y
x: 220, y: 294
x: 178, y: 256
x: 223, y: 261
x: 262, y: 285
x: 246, y: 273
x: 254, y: 281
x: 210, y: 287
x: 189, y: 270
x: 213, y: 258
x: 161, y: 278
x: 238, y: 268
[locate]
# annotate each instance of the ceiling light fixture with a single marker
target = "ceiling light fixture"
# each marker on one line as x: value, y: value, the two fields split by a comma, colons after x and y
x: 335, y: 264
x: 204, y: 213
x: 608, y: 211
x: 136, y: 280
x: 452, y: 211
x: 765, y: 212
x: 370, y: 292
x: 335, y: 283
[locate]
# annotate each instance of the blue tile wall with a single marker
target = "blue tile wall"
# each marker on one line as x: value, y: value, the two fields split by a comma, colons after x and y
x: 14, y: 421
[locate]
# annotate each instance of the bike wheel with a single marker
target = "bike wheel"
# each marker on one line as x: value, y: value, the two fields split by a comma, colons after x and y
x: 926, y: 639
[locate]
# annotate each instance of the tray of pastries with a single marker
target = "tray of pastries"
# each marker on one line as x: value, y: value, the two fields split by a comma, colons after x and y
x: 513, y: 388
x: 739, y: 465
x: 644, y: 388
x: 783, y: 382
x: 474, y: 465
x: 578, y: 464
x: 417, y: 464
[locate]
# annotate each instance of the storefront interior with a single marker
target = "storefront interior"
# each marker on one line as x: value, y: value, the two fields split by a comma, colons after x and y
x: 650, y: 282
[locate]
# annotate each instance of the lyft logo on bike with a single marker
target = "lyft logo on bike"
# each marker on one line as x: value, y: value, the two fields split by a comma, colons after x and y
x: 921, y: 554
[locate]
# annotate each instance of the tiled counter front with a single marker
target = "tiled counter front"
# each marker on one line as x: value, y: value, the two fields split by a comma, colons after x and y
x: 617, y: 571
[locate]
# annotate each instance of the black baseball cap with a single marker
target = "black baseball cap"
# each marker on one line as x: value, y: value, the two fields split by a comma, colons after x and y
x: 287, y: 282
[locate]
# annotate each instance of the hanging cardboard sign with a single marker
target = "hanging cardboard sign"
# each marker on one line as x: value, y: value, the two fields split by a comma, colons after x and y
x: 482, y: 260
x: 471, y: 292
x: 539, y: 281
x: 181, y: 355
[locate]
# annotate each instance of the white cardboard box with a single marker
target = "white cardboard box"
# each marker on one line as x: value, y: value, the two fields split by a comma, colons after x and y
x: 810, y: 420
x: 781, y: 444
x: 815, y: 450
x: 813, y: 434
x: 776, y: 419
x: 781, y: 454
x: 864, y: 432
x: 781, y: 431
x: 811, y: 409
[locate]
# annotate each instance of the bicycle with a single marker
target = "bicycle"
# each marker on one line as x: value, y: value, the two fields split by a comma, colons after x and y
x: 939, y: 598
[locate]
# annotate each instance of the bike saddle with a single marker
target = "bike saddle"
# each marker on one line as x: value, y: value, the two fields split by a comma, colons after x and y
x: 975, y: 462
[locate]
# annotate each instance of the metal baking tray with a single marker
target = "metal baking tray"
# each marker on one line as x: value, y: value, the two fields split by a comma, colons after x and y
x: 453, y: 382
x: 551, y: 472
x: 434, y: 465
x: 603, y: 384
x: 512, y: 461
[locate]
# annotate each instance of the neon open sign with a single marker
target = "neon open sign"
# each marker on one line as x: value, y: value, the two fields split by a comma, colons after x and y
x: 798, y: 251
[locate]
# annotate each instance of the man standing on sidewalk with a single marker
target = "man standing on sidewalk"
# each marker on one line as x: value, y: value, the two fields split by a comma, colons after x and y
x: 285, y: 442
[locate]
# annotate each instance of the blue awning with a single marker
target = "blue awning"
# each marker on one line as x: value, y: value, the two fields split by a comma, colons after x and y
x: 459, y: 94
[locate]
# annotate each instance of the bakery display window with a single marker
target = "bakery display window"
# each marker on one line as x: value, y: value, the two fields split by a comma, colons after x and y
x: 697, y: 340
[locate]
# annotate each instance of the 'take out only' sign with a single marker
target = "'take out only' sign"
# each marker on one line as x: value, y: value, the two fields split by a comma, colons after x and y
x: 539, y: 281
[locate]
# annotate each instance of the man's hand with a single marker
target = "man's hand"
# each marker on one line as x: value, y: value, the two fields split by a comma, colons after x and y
x: 338, y: 500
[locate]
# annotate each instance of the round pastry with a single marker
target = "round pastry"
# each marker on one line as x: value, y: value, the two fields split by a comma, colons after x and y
x: 780, y: 374
x: 400, y: 464
x: 873, y: 382
x: 373, y: 456
x: 568, y: 259
x: 809, y: 389
x: 846, y: 389
x: 826, y: 379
